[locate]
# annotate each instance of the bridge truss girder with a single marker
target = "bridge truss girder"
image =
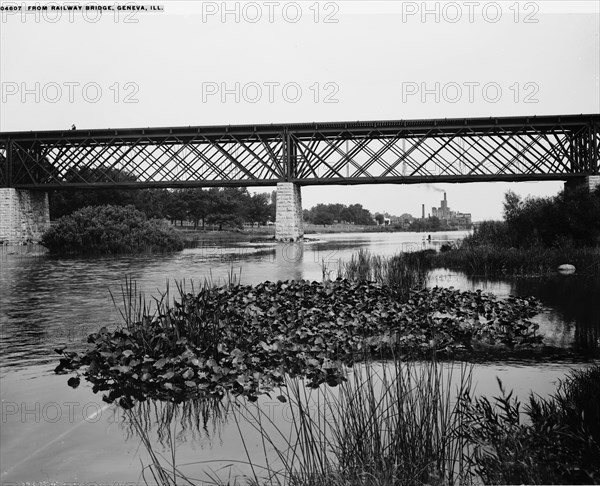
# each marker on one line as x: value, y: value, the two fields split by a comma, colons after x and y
x: 411, y: 151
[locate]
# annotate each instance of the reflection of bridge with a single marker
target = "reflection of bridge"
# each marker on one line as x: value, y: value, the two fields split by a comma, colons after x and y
x: 410, y: 151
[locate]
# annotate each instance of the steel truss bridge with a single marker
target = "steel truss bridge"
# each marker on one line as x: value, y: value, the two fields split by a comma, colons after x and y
x: 405, y: 151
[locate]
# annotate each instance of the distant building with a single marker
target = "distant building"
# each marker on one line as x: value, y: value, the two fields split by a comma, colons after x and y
x: 453, y: 219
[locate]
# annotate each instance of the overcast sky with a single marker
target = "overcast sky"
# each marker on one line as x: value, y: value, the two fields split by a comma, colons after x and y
x: 204, y: 63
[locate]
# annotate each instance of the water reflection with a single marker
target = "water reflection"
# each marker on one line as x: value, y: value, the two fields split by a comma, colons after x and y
x: 571, y: 318
x: 198, y: 420
x: 289, y: 259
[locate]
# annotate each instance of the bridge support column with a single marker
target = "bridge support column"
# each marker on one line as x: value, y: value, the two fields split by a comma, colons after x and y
x: 591, y: 182
x: 24, y: 216
x: 288, y: 224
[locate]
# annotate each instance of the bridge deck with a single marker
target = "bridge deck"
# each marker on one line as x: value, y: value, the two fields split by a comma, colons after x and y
x: 403, y: 151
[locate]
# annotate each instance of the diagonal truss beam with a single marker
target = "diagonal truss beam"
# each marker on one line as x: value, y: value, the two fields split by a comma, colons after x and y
x: 409, y: 151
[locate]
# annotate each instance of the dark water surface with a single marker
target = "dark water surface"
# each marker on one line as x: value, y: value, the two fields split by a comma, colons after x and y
x: 50, y: 432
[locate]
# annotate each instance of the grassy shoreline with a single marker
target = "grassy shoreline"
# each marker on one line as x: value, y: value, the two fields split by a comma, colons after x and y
x: 492, y: 260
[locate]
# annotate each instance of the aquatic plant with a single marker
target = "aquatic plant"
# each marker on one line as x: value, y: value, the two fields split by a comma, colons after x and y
x: 490, y: 260
x: 402, y: 272
x: 244, y: 340
x: 110, y: 230
x: 392, y: 423
x: 555, y: 441
x: 397, y: 423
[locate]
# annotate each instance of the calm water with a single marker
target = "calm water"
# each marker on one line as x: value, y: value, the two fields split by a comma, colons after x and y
x: 51, y: 432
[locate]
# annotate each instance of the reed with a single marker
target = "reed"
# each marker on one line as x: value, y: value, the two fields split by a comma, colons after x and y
x: 402, y: 272
x: 186, y: 317
x: 392, y: 423
x: 489, y: 260
x: 407, y: 423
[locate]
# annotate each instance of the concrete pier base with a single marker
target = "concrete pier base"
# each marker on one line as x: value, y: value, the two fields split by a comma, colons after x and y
x: 289, y: 225
x: 24, y: 216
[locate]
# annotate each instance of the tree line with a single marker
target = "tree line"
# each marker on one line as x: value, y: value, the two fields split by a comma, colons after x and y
x: 229, y: 206
x: 338, y: 213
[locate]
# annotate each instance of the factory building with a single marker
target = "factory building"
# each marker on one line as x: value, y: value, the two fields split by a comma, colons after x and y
x: 453, y: 219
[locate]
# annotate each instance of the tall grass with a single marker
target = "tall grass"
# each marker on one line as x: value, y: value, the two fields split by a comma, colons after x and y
x: 399, y: 423
x: 402, y: 272
x: 184, y: 318
x: 392, y: 423
x: 490, y: 260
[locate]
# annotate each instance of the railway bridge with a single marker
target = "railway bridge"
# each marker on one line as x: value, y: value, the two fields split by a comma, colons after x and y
x: 289, y: 156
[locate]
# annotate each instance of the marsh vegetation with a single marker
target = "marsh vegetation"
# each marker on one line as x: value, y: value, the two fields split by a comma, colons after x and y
x: 367, y: 366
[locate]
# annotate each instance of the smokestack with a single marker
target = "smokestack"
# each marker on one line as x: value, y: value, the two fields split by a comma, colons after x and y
x: 423, y: 212
x: 444, y: 196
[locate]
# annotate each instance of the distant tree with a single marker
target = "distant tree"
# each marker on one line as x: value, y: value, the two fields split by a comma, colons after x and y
x: 570, y: 218
x: 176, y: 206
x: 226, y: 206
x: 328, y: 213
x: 259, y: 208
x: 66, y: 201
x: 198, y: 205
x: 152, y: 202
x: 325, y: 213
x: 360, y: 215
x: 379, y: 218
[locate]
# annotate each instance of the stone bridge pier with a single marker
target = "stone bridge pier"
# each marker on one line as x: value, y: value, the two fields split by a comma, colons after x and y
x: 289, y: 224
x: 591, y: 182
x: 24, y: 216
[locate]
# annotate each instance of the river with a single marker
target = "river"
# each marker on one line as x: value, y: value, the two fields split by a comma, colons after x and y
x: 51, y: 432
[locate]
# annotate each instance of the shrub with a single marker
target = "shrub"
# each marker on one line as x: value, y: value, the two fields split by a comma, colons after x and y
x: 572, y: 216
x: 490, y: 233
x: 110, y: 230
x: 559, y: 443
